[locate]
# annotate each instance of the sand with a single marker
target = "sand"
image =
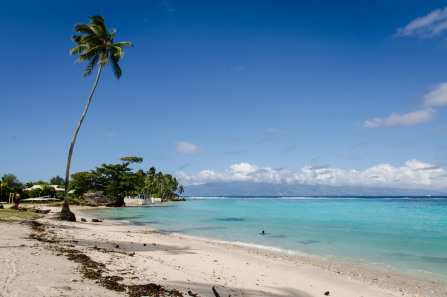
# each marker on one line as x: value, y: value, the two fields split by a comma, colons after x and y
x: 142, y: 256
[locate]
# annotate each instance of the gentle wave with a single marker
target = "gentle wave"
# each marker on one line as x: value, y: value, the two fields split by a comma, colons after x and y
x: 253, y: 246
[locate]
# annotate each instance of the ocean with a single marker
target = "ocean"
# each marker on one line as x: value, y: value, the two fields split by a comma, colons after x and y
x: 406, y: 235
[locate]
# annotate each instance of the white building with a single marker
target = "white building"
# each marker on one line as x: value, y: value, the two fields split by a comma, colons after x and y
x: 141, y: 199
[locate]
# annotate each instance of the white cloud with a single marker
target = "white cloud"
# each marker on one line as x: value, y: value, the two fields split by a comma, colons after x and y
x: 413, y: 175
x: 430, y: 25
x: 407, y: 119
x: 437, y: 97
x: 185, y: 148
x: 237, y: 172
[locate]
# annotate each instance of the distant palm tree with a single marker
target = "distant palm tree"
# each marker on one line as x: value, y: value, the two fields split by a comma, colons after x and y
x: 96, y: 46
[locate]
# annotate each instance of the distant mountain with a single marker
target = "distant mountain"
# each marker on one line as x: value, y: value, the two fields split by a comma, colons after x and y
x: 265, y: 189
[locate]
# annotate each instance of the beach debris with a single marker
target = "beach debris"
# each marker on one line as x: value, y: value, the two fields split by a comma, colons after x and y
x: 117, y: 246
x: 96, y: 220
x: 83, y: 220
x: 36, y: 210
x: 151, y: 290
x: 94, y: 270
x: 144, y: 244
x: 326, y: 293
x: 192, y: 294
x: 217, y: 294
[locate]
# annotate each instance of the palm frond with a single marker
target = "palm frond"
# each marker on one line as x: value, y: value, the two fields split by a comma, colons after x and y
x: 91, y: 65
x: 99, y: 25
x: 89, y: 53
x: 84, y: 29
x: 104, y: 59
x: 93, y: 40
x: 123, y: 44
x: 78, y: 49
x: 115, y: 66
x: 111, y: 35
x: 116, y: 51
x: 77, y: 38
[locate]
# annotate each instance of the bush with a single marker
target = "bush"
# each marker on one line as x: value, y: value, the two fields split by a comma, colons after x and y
x: 35, y: 193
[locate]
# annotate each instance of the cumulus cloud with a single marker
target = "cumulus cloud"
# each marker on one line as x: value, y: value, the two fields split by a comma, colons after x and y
x: 413, y: 174
x: 426, y: 26
x: 185, y: 148
x: 437, y: 97
x: 407, y: 119
x: 237, y: 172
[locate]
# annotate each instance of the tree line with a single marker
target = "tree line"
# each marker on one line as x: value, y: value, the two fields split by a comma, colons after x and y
x: 11, y: 184
x: 118, y: 180
x: 115, y: 181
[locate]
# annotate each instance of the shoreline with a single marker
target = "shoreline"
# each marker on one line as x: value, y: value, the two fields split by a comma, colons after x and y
x: 317, y: 260
x: 141, y: 255
x: 399, y: 283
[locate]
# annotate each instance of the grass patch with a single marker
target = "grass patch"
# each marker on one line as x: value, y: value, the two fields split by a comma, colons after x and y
x: 12, y: 214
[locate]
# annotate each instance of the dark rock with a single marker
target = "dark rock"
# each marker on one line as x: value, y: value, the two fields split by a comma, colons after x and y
x: 96, y: 220
x: 83, y: 220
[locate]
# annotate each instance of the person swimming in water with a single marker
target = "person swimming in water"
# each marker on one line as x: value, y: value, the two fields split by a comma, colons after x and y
x: 262, y: 233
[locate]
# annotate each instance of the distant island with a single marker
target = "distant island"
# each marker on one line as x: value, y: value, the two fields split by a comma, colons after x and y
x: 268, y: 189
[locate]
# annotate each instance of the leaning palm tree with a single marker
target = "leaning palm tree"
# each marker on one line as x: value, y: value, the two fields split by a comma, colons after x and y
x: 95, y: 45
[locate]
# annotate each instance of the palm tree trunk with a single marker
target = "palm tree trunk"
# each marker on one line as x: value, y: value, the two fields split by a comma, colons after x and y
x: 66, y: 214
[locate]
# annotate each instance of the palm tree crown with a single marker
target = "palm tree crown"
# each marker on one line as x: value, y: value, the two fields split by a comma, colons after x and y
x: 96, y: 46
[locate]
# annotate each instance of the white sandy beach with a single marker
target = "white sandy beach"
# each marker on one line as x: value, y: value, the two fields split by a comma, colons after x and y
x: 142, y: 256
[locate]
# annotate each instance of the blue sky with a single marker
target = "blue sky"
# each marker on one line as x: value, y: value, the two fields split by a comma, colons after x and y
x: 316, y: 92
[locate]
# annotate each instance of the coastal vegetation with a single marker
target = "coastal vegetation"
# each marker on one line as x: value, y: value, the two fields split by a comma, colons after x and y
x: 115, y: 181
x: 118, y: 180
x: 10, y: 184
x: 97, y: 47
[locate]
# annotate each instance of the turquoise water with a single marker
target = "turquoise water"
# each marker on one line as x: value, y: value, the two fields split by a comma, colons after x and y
x: 407, y: 235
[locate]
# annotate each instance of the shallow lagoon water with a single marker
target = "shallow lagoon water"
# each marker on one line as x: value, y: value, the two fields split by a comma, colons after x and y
x: 407, y: 235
